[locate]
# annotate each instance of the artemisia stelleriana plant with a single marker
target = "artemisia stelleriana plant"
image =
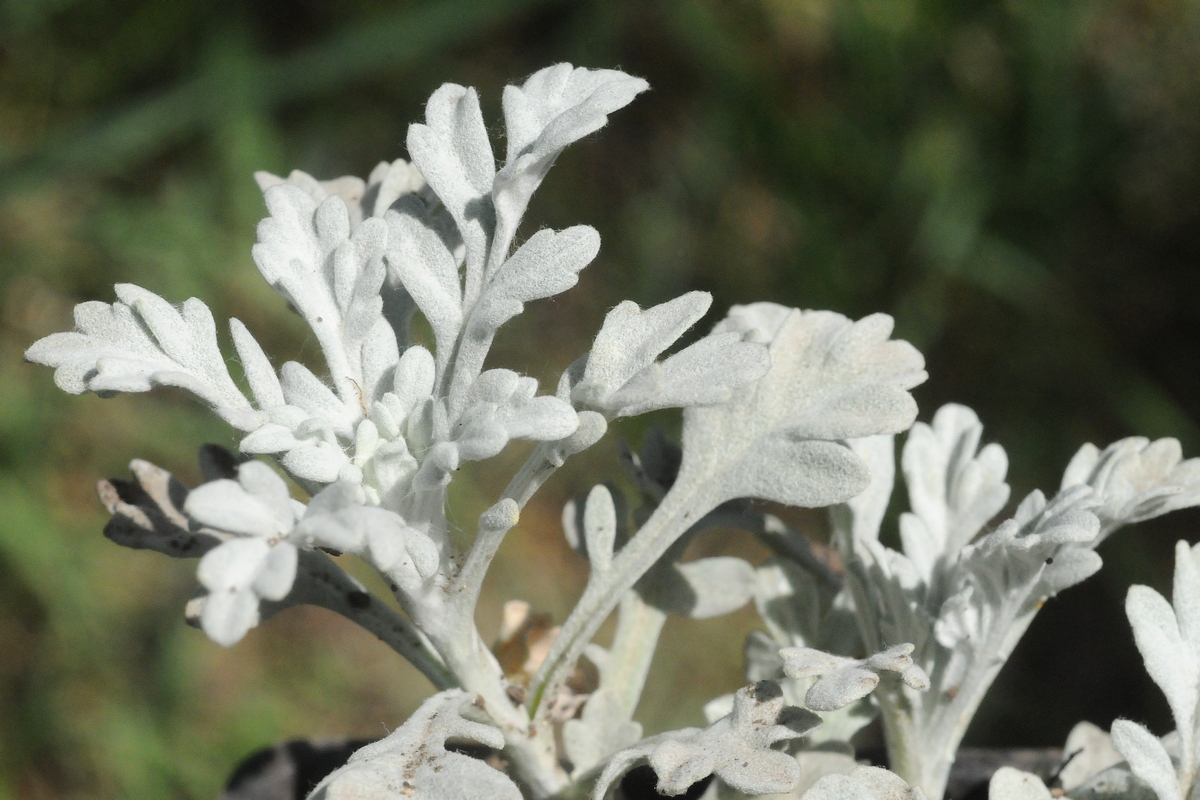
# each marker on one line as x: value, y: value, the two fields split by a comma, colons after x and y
x: 779, y: 404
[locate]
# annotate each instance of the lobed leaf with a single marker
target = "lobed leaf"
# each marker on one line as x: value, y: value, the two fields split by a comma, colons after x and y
x: 413, y: 762
x: 829, y: 380
x: 140, y: 342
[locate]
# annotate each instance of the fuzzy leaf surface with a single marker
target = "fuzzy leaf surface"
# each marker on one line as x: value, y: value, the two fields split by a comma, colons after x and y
x: 736, y: 748
x: 140, y: 342
x: 830, y: 379
x: 412, y: 763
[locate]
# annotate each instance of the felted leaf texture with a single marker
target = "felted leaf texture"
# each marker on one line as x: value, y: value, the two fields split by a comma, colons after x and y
x: 338, y: 519
x: 619, y: 376
x: 452, y: 151
x: 259, y: 562
x: 553, y: 108
x: 701, y: 589
x: 1136, y: 479
x: 502, y: 405
x: 830, y: 379
x: 954, y: 488
x: 364, y: 199
x: 140, y: 342
x: 1168, y: 637
x: 334, y: 280
x: 1019, y: 564
x: 412, y: 763
x: 1091, y: 751
x: 547, y: 264
x: 860, y: 517
x: 1148, y: 759
x: 796, y: 615
x: 1012, y: 784
x: 842, y: 681
x: 863, y: 783
x: 424, y: 264
x: 736, y: 748
x: 602, y: 729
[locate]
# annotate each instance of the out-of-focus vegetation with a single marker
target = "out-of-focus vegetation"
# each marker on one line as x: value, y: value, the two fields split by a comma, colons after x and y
x: 1017, y: 182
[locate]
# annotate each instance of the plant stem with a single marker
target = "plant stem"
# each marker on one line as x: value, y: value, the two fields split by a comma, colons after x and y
x: 679, y: 510
x: 922, y: 742
x: 638, y: 627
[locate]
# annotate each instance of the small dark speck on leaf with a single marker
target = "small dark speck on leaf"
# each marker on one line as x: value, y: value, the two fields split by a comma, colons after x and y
x: 765, y: 691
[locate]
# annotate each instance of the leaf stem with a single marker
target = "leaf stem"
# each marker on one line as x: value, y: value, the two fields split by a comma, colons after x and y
x: 678, y: 512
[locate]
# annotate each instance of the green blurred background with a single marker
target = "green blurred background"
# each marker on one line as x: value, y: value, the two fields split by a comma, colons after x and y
x: 1017, y: 182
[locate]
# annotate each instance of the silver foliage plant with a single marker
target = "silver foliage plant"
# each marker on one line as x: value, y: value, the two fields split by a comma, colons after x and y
x: 782, y: 405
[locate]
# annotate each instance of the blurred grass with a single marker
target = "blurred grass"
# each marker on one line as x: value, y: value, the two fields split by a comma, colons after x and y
x: 1017, y: 182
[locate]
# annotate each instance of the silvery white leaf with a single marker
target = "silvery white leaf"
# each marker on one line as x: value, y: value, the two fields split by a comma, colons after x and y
x: 553, y: 108
x: 620, y: 377
x: 306, y: 391
x: 954, y: 488
x: 256, y: 504
x: 631, y: 339
x: 817, y: 764
x: 861, y: 516
x: 704, y: 373
x: 736, y: 748
x: 1090, y: 750
x: 501, y: 405
x: 1136, y: 479
x: 347, y: 187
x: 257, y: 564
x: 316, y: 461
x: 602, y: 729
x: 889, y: 596
x: 1186, y: 594
x: 334, y: 280
x: 1008, y: 783
x: 1012, y: 560
x: 390, y: 469
x: 600, y: 527
x: 700, y: 589
x: 412, y: 763
x: 238, y: 574
x: 1006, y: 575
x: 841, y: 681
x: 763, y: 663
x: 1170, y: 659
x: 269, y: 438
x: 718, y: 707
x: 452, y: 151
x: 789, y: 603
x: 1114, y: 783
x: 379, y: 355
x: 1147, y: 758
x: 1070, y: 566
x: 966, y: 625
x: 140, y: 342
x: 547, y: 264
x: 423, y: 263
x: 414, y: 381
x: 264, y: 383
x: 830, y: 380
x: 864, y: 783
x: 336, y: 518
x: 386, y: 184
